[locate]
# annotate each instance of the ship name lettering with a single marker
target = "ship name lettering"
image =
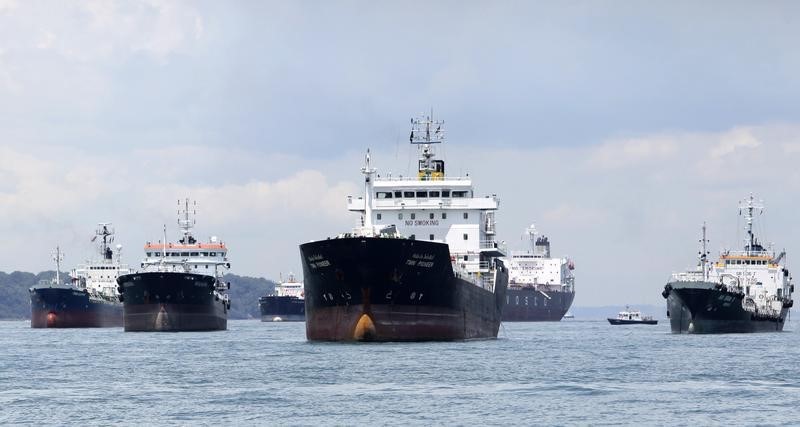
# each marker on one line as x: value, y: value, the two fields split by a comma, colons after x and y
x: 323, y: 263
x: 427, y: 264
x: 411, y: 262
x: 423, y: 256
x: 316, y: 257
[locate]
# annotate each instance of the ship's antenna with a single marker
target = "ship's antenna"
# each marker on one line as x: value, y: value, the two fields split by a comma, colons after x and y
x: 424, y: 134
x: 749, y: 210
x: 164, y: 246
x: 105, y: 231
x: 58, y: 256
x: 186, y: 223
x: 704, y: 254
x: 531, y: 232
x: 368, y: 172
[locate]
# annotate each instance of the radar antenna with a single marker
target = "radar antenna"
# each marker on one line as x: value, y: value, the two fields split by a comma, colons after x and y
x: 185, y: 222
x: 749, y: 207
x: 424, y: 132
x: 106, y: 232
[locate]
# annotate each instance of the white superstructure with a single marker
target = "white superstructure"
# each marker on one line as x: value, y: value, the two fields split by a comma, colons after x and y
x: 289, y: 288
x: 188, y: 255
x: 535, y: 268
x: 98, y: 275
x: 432, y: 206
x: 756, y: 272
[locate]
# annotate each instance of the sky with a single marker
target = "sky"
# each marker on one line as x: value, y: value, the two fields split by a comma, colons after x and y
x: 618, y: 128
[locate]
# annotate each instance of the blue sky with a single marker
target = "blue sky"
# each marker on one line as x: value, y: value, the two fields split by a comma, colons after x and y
x: 618, y: 127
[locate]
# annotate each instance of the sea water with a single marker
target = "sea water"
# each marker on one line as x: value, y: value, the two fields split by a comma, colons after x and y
x: 571, y: 372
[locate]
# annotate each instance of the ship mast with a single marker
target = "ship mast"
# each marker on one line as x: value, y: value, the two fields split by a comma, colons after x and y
x: 422, y: 133
x: 531, y: 232
x: 704, y: 254
x: 58, y: 256
x: 106, y: 232
x: 749, y: 210
x: 368, y: 173
x: 186, y: 223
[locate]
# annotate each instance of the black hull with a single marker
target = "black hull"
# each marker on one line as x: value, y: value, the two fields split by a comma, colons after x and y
x: 700, y: 308
x: 282, y: 309
x: 530, y: 305
x: 171, y: 302
x: 64, y: 307
x: 382, y: 289
x: 614, y: 321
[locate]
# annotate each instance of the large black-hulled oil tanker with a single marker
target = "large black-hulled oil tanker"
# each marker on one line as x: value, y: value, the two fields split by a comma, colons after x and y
x: 90, y: 300
x: 286, y: 304
x: 540, y: 288
x: 423, y: 265
x: 181, y: 287
x: 744, y: 291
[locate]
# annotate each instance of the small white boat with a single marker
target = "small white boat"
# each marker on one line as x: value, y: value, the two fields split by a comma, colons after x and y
x: 631, y: 317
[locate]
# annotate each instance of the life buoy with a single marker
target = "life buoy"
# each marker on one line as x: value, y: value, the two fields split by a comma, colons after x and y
x: 761, y: 296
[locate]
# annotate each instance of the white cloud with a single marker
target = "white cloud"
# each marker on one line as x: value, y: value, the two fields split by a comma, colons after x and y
x: 634, y: 151
x: 733, y: 141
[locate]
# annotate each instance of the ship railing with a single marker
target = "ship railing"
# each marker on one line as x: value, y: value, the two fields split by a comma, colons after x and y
x: 493, y: 244
x: 688, y: 276
x: 415, y: 178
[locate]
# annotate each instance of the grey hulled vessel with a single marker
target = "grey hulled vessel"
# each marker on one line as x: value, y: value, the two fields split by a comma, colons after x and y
x: 744, y: 291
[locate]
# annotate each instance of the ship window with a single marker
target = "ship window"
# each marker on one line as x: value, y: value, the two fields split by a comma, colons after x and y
x: 400, y: 216
x: 205, y: 253
x: 408, y: 194
x: 431, y: 237
x: 466, y: 236
x: 413, y: 216
x: 206, y: 266
x: 466, y: 215
x: 193, y: 254
x: 149, y: 253
x: 445, y: 193
x: 466, y: 257
x: 444, y: 215
x: 397, y: 194
x: 431, y: 215
x: 212, y: 254
x: 379, y: 216
x: 460, y: 194
x: 422, y: 194
x: 384, y: 195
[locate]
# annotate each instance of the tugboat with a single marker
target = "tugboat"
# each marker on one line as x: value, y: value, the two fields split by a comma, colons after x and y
x: 632, y: 317
x: 285, y: 304
x: 540, y: 288
x: 181, y: 287
x: 422, y: 265
x: 91, y: 300
x: 744, y: 291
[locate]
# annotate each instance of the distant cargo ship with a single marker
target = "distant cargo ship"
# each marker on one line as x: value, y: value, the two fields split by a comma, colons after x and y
x: 422, y: 265
x: 91, y: 300
x: 181, y: 287
x: 744, y: 291
x: 285, y: 304
x: 540, y: 288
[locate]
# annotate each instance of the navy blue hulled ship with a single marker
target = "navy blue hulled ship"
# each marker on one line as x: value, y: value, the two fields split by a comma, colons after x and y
x: 286, y: 304
x: 90, y: 300
x: 540, y: 288
x: 422, y: 265
x: 181, y: 287
x: 745, y: 291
